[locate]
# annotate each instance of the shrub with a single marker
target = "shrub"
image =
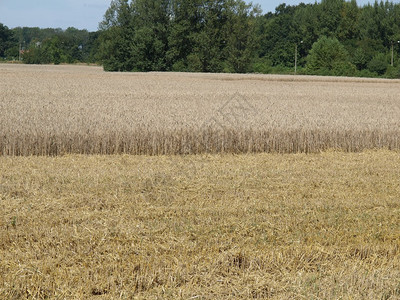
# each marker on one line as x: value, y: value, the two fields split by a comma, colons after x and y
x: 262, y: 65
x: 344, y: 69
x: 367, y: 73
x: 194, y: 63
x: 378, y: 64
x: 392, y: 72
x: 179, y: 66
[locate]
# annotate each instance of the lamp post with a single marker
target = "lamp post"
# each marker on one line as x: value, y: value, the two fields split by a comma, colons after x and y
x: 295, y: 57
x: 392, y: 61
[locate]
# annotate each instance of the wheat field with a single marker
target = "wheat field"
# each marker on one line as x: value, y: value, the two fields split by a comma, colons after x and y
x: 53, y: 110
x: 197, y: 186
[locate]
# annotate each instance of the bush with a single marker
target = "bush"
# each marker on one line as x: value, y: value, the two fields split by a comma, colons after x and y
x: 319, y: 72
x: 344, y: 69
x: 179, y: 66
x: 367, y: 74
x: 280, y: 69
x: 111, y: 65
x: 392, y: 72
x: 36, y: 55
x: 262, y: 65
x: 194, y: 63
x: 378, y: 64
x: 12, y: 53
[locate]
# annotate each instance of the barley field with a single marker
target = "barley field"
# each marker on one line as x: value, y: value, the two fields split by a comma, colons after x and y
x: 53, y: 110
x: 197, y: 186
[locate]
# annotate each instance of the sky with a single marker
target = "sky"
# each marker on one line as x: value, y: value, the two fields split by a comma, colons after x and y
x: 82, y: 14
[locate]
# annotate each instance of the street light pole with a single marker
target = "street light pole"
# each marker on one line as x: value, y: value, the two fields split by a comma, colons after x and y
x: 295, y: 58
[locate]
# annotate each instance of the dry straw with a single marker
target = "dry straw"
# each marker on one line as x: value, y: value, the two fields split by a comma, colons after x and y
x: 318, y: 226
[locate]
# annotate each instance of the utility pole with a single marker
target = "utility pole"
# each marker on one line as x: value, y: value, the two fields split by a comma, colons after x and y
x: 392, y: 62
x: 295, y: 58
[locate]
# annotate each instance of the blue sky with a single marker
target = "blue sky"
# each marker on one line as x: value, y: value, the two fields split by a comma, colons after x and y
x: 82, y: 14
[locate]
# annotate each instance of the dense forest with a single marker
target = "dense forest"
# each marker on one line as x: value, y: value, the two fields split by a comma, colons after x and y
x: 333, y: 37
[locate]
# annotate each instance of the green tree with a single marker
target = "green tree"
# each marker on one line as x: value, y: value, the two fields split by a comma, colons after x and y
x: 242, y: 41
x: 348, y: 29
x: 360, y: 59
x: 338, y: 37
x: 187, y: 22
x: 149, y: 43
x: 38, y: 53
x: 54, y: 45
x: 115, y: 38
x: 210, y: 42
x: 91, y: 48
x: 198, y: 37
x: 134, y: 35
x: 279, y: 36
x: 7, y: 40
x: 330, y: 16
x: 306, y: 24
x: 326, y: 54
x: 192, y: 35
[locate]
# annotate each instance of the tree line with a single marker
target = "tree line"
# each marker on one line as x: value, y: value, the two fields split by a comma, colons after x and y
x: 33, y: 45
x: 332, y: 37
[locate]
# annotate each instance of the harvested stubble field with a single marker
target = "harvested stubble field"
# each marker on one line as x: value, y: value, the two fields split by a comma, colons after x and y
x: 290, y: 226
x: 321, y: 224
x: 52, y: 110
